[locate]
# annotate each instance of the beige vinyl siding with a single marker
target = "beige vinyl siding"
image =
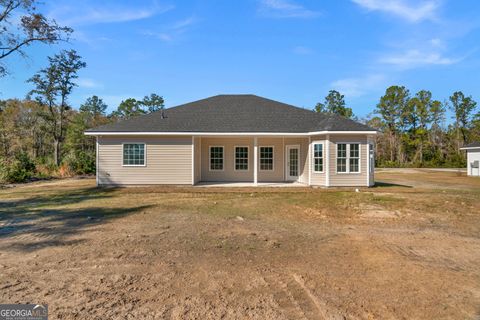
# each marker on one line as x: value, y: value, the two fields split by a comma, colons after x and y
x: 168, y: 161
x: 228, y: 173
x: 317, y: 178
x: 277, y: 175
x: 348, y: 179
x: 197, y: 159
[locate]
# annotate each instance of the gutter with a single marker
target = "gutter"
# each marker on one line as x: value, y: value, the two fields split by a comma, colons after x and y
x: 149, y: 133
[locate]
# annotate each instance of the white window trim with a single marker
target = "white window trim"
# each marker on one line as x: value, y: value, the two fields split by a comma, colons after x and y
x: 260, y: 158
x: 235, y: 158
x: 210, y: 159
x: 313, y: 155
x: 144, y: 154
x: 348, y: 157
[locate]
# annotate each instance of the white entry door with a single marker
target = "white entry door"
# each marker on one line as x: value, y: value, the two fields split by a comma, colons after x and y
x: 292, y: 160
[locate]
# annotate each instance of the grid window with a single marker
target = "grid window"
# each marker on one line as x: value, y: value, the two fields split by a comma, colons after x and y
x: 354, y: 157
x: 134, y: 154
x: 318, y: 157
x: 348, y: 157
x: 342, y: 157
x: 241, y: 158
x: 216, y: 158
x: 266, y: 158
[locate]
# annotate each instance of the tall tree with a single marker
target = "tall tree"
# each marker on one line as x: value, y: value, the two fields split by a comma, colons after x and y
x: 53, y: 85
x: 131, y: 107
x: 390, y: 108
x: 335, y: 103
x: 94, y: 106
x: 153, y: 103
x: 423, y: 109
x: 22, y: 25
x: 463, y: 108
x: 128, y: 108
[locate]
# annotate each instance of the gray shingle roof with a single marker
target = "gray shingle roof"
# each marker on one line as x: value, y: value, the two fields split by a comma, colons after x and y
x: 235, y: 113
x: 472, y: 145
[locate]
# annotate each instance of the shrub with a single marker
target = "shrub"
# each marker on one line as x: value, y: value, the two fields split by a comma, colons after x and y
x: 79, y: 162
x: 21, y: 169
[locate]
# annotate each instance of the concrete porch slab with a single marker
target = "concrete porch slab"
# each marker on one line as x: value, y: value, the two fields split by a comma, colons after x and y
x: 251, y: 184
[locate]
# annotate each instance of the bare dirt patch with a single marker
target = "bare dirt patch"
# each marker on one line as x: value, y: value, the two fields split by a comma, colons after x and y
x: 393, y: 251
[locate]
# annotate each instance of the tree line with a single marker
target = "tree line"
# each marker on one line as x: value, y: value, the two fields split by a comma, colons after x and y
x: 414, y: 130
x: 43, y: 134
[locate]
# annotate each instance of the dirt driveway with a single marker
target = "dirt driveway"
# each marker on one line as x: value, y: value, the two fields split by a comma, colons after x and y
x: 408, y: 249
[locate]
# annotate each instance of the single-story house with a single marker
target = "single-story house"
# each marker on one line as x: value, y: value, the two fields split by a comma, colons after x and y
x: 235, y: 138
x: 473, y: 158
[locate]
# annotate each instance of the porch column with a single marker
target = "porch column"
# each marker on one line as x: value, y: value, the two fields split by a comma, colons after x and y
x: 255, y: 161
x: 327, y: 164
x: 309, y: 160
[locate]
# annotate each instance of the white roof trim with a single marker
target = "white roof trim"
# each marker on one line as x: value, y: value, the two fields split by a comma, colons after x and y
x: 469, y: 148
x: 139, y: 133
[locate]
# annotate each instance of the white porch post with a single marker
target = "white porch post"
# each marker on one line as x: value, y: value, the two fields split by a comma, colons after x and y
x: 255, y: 161
x: 309, y: 160
x: 193, y: 160
x: 327, y: 167
x: 96, y: 161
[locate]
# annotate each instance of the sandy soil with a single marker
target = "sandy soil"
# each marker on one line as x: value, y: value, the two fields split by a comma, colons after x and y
x: 405, y: 250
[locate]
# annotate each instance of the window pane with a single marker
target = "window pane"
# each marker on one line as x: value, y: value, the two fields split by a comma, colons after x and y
x: 318, y: 165
x: 341, y: 150
x: 134, y: 154
x: 341, y: 165
x: 266, y: 158
x: 241, y: 158
x: 293, y: 157
x: 216, y: 158
x: 318, y: 157
x: 342, y: 157
x: 354, y: 150
x: 354, y: 165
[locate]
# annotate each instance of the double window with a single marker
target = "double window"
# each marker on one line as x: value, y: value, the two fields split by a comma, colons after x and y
x: 318, y: 157
x: 216, y: 158
x: 348, y: 157
x: 241, y: 158
x: 134, y: 154
x: 266, y: 158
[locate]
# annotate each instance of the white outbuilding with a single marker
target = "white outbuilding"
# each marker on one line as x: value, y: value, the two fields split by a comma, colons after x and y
x: 473, y: 158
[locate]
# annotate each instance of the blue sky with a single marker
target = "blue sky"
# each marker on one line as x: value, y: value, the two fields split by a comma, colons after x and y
x: 288, y: 50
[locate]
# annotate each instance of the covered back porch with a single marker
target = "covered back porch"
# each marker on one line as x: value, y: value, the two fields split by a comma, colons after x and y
x: 253, y: 160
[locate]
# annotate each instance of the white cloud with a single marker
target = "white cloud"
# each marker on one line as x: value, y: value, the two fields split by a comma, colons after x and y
x: 182, y: 24
x: 85, y: 14
x: 301, y: 50
x: 88, y: 83
x: 170, y: 33
x: 356, y: 87
x: 418, y: 58
x: 285, y: 9
x: 418, y: 11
